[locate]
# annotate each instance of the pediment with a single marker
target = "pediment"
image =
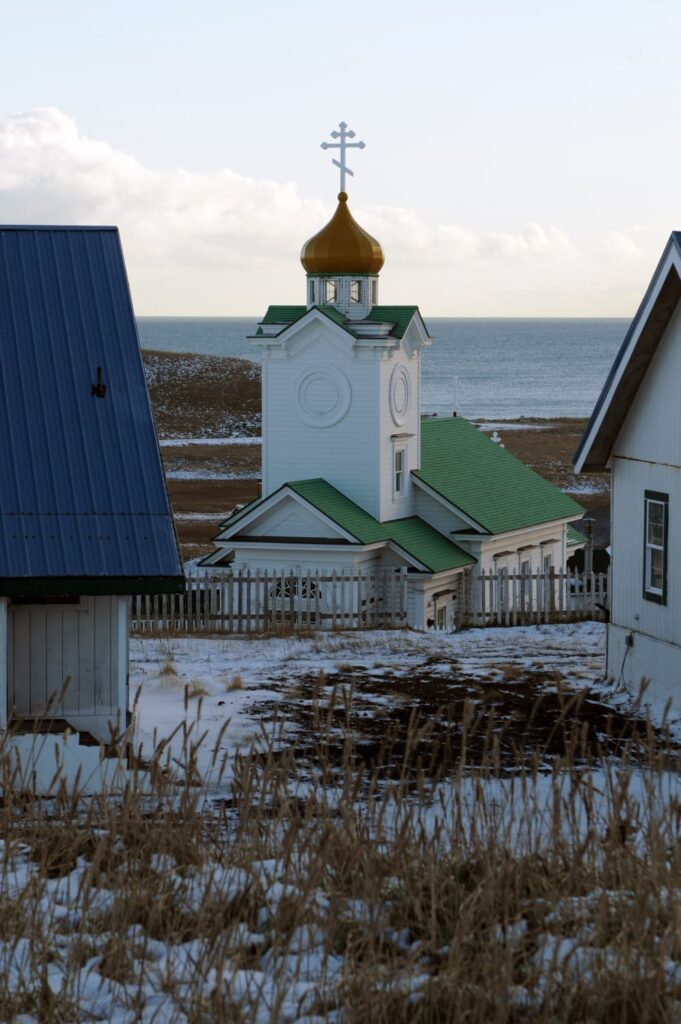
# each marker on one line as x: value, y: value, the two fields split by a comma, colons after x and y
x: 283, y: 515
x: 312, y: 328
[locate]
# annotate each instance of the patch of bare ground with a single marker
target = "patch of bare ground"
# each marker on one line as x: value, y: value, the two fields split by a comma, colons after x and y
x: 203, y: 396
x: 211, y: 498
x: 432, y: 720
x: 240, y: 461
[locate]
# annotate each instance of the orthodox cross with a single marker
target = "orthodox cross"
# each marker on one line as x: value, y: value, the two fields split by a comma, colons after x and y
x: 343, y: 135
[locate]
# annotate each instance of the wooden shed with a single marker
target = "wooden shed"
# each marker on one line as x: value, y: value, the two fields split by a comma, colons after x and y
x: 85, y: 520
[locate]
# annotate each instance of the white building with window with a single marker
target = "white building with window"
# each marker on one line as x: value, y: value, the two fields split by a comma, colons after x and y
x: 635, y: 431
x: 352, y: 477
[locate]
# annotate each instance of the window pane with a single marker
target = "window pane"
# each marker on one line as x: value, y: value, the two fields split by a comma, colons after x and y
x: 656, y: 576
x: 330, y: 291
x: 355, y: 291
x: 656, y: 522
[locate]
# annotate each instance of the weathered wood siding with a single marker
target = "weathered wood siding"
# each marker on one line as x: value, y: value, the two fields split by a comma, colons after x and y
x: 73, y: 648
x: 259, y: 602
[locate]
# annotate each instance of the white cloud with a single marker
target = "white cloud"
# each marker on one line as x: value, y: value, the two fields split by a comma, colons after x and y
x: 201, y: 243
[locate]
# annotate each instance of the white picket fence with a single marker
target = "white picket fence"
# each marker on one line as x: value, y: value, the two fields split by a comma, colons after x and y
x: 503, y: 597
x: 261, y: 602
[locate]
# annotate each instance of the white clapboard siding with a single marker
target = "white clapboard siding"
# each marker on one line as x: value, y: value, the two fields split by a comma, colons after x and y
x: 66, y: 657
x: 261, y: 602
x: 504, y: 598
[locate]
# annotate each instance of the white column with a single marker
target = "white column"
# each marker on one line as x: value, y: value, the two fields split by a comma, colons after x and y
x: 4, y: 666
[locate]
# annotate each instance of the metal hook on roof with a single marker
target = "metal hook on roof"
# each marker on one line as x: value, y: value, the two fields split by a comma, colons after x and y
x: 99, y: 389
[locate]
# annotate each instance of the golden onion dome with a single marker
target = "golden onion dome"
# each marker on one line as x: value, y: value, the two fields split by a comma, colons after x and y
x: 342, y: 246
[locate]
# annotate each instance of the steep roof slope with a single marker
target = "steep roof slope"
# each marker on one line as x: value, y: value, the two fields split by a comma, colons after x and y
x: 478, y: 476
x: 82, y: 492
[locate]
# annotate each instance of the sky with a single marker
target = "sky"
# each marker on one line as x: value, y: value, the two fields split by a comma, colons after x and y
x: 521, y: 157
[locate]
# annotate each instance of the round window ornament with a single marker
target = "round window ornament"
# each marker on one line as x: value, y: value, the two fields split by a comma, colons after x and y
x: 399, y: 394
x: 321, y: 396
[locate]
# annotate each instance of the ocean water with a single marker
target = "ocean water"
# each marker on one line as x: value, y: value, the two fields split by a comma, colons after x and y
x: 491, y: 368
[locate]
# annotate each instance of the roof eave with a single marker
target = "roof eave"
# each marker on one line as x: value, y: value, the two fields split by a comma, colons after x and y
x: 633, y: 358
x: 90, y: 585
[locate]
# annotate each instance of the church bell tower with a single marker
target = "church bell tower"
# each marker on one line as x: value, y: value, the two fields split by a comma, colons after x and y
x: 341, y: 374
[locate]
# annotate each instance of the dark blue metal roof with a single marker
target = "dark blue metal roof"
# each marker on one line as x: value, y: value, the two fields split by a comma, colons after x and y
x: 82, y: 491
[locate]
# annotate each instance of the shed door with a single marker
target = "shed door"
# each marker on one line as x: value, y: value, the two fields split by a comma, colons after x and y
x: 62, y: 658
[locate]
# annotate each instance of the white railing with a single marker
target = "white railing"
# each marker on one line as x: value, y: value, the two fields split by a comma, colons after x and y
x: 503, y: 597
x: 261, y: 602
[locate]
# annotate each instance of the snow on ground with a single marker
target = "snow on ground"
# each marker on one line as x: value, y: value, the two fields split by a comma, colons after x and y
x: 236, y: 676
x: 585, y: 487
x: 198, y: 517
x: 245, y: 689
x: 508, y: 425
x: 301, y: 974
x: 209, y: 474
x: 183, y: 442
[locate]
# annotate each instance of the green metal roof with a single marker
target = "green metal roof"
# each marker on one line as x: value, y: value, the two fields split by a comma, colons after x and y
x: 483, y: 480
x: 283, y: 314
x: 400, y: 316
x: 413, y: 535
x: 574, y: 538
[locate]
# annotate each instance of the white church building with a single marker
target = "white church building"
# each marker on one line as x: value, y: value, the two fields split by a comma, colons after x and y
x: 353, y: 477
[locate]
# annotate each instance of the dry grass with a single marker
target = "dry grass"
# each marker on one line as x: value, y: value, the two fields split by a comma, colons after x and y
x: 419, y: 900
x: 235, y: 683
x: 512, y: 671
x: 195, y: 688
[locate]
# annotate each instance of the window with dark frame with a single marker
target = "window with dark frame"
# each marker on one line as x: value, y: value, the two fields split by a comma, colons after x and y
x: 355, y: 291
x: 656, y: 529
x: 329, y: 291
